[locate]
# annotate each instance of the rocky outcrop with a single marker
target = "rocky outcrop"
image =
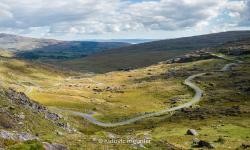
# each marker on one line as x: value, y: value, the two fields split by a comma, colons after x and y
x: 206, y: 144
x: 17, y: 136
x: 19, y: 98
x: 194, y: 56
x: 202, y: 144
x: 245, y: 146
x: 235, y: 51
x: 54, y: 146
x: 21, y: 137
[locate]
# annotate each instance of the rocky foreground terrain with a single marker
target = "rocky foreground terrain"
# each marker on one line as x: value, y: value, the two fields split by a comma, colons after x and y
x: 13, y: 119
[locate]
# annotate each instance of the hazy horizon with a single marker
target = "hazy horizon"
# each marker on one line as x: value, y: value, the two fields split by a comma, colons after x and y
x: 119, y: 39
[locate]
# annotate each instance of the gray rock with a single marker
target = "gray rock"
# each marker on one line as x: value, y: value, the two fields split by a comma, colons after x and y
x: 59, y: 133
x: 17, y: 136
x: 20, y: 123
x: 67, y: 127
x: 26, y: 137
x: 20, y: 98
x: 52, y: 116
x: 192, y: 132
x: 245, y: 146
x: 111, y: 136
x: 21, y: 116
x: 206, y: 144
x: 3, y: 110
x: 54, y: 146
x: 138, y: 146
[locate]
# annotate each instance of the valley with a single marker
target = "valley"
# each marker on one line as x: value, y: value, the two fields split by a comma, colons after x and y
x: 205, y: 89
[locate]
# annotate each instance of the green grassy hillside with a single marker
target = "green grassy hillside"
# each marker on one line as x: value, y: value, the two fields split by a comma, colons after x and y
x: 141, y: 55
x: 221, y: 117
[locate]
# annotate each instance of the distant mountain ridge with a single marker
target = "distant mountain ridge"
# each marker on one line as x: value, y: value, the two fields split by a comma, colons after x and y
x: 145, y: 54
x: 192, y: 42
x: 103, y: 57
x: 33, y: 48
x: 20, y: 43
x: 131, y: 41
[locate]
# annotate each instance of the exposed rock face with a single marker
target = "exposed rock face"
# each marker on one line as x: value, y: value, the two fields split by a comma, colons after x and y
x: 54, y: 146
x: 52, y: 116
x: 17, y: 136
x: 21, y: 137
x: 194, y: 56
x: 20, y: 98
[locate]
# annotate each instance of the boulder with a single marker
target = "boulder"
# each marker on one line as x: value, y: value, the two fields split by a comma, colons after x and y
x: 192, y: 132
x: 17, y: 136
x: 54, y: 146
x: 21, y: 116
x: 245, y: 146
x: 52, y: 116
x: 206, y: 144
x: 59, y: 133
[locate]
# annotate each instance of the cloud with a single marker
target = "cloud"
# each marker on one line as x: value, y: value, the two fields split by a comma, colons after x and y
x: 172, y: 15
x: 99, y: 16
x: 5, y: 14
x: 245, y: 14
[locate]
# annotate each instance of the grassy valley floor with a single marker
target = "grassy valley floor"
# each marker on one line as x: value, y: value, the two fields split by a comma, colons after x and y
x: 222, y: 118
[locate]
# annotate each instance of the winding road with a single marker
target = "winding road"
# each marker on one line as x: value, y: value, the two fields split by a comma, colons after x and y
x: 196, y: 98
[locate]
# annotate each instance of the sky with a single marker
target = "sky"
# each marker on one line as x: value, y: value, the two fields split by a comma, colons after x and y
x: 122, y: 19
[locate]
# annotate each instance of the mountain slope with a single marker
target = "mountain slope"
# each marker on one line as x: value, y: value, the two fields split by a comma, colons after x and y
x: 69, y: 50
x: 221, y: 118
x: 146, y: 54
x: 19, y: 43
x: 32, y: 48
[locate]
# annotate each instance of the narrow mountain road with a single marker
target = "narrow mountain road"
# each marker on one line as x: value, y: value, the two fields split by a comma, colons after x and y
x: 196, y: 98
